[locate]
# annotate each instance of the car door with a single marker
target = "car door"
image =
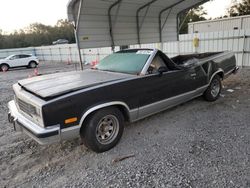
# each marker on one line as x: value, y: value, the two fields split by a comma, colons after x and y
x: 198, y: 75
x: 24, y: 60
x: 161, y: 91
x: 14, y: 61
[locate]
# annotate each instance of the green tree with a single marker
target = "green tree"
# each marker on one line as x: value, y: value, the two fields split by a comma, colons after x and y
x: 193, y: 15
x: 239, y: 8
x: 66, y: 30
x: 1, y: 39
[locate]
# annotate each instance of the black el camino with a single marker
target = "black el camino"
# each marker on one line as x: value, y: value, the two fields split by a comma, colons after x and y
x: 124, y: 87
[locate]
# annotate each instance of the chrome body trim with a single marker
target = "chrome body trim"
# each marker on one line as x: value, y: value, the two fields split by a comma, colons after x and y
x: 144, y: 111
x: 113, y: 103
x: 43, y: 141
x: 70, y: 133
x: 133, y: 114
x: 159, y: 106
x: 147, y: 64
x: 31, y: 99
x: 213, y: 75
x: 231, y: 71
x: 22, y: 124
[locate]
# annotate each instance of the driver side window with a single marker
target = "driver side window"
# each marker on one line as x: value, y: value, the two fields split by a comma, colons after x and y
x: 14, y: 57
x: 156, y: 64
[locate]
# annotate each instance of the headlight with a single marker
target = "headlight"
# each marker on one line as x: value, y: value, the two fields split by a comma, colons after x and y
x: 33, y: 112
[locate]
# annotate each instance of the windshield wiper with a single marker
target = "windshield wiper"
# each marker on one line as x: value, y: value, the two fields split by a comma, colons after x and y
x: 108, y: 70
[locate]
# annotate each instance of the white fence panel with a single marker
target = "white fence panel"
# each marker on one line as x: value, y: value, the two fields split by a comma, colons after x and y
x: 237, y: 41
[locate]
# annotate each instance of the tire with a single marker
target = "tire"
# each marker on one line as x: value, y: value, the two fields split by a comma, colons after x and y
x: 32, y: 64
x: 103, y: 129
x: 4, y: 67
x: 214, y: 89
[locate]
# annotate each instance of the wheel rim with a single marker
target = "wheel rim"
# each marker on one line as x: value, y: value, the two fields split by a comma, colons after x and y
x: 4, y: 67
x: 215, y: 88
x: 107, y: 129
x: 32, y: 65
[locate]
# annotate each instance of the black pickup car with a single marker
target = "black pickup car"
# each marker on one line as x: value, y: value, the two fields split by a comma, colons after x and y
x: 124, y: 87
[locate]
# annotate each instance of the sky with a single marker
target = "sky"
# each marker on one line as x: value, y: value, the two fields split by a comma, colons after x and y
x: 217, y: 8
x: 18, y: 14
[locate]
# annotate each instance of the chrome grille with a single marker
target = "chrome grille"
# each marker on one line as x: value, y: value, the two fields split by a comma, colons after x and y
x: 25, y: 107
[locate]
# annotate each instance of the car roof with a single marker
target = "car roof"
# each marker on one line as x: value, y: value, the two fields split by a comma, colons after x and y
x: 24, y: 54
x: 19, y: 54
x: 135, y: 50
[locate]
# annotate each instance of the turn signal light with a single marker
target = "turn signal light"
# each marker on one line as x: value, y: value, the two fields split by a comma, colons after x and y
x: 70, y: 120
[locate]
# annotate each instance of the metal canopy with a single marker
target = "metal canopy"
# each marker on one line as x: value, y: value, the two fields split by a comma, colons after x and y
x: 103, y: 23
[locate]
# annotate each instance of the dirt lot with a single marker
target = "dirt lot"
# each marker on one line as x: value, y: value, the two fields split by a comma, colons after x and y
x: 197, y: 144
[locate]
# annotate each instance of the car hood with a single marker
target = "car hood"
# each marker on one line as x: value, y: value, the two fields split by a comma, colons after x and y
x: 50, y: 86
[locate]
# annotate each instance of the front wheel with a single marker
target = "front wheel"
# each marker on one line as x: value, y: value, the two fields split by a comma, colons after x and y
x: 103, y: 129
x: 4, y: 67
x: 32, y: 64
x: 214, y: 89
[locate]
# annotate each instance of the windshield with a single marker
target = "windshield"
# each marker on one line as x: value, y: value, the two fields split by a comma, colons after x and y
x: 130, y: 62
x: 9, y: 57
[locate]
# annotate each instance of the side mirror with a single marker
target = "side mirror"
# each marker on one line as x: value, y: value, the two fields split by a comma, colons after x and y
x: 161, y: 70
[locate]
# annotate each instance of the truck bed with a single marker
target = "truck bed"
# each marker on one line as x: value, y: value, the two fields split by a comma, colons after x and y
x: 182, y: 59
x: 210, y: 62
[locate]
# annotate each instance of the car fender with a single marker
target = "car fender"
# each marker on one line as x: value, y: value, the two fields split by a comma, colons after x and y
x: 32, y: 60
x: 219, y: 71
x: 4, y: 64
x: 104, y: 105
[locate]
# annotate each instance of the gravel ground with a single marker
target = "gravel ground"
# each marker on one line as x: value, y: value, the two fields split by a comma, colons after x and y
x: 197, y: 144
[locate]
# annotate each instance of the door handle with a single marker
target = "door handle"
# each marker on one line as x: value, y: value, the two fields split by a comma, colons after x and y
x: 193, y: 75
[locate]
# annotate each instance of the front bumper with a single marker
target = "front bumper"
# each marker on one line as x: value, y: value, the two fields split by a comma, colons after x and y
x: 39, y: 134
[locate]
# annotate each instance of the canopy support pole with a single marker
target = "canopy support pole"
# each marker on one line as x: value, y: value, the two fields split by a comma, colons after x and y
x: 137, y: 18
x: 161, y: 28
x: 110, y: 23
x: 160, y: 15
x: 76, y: 32
x: 182, y: 23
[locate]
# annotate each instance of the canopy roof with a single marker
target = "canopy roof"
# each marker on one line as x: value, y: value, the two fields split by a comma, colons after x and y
x: 103, y: 23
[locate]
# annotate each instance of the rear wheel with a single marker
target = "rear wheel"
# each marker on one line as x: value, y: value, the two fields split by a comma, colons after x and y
x: 4, y: 67
x: 103, y: 129
x: 214, y: 89
x: 32, y: 64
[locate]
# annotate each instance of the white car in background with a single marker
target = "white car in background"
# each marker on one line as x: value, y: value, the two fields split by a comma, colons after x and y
x: 20, y: 60
x: 60, y: 41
